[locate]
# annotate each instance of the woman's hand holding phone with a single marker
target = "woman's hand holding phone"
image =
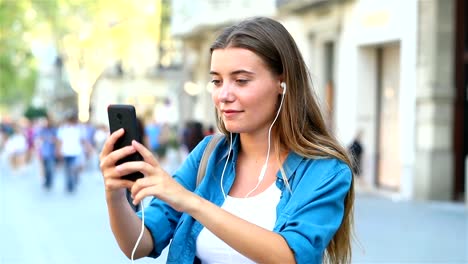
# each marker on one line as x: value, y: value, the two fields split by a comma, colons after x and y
x: 114, y: 184
x: 156, y: 182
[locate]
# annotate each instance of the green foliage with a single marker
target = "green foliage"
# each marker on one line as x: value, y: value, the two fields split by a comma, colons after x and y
x: 17, y: 66
x: 34, y: 112
x: 19, y: 20
x: 22, y: 21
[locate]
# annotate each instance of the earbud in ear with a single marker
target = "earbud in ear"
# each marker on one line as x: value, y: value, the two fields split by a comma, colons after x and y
x: 283, y: 85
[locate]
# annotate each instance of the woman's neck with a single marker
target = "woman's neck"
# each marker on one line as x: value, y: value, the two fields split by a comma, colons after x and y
x: 256, y: 146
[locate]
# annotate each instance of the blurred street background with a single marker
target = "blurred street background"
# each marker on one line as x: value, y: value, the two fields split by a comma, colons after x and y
x: 40, y: 226
x: 391, y: 75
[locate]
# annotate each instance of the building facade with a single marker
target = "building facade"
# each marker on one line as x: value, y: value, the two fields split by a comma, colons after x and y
x: 197, y: 23
x: 394, y: 70
x: 155, y: 96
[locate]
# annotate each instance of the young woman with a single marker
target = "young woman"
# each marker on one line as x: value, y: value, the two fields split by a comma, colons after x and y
x: 278, y: 187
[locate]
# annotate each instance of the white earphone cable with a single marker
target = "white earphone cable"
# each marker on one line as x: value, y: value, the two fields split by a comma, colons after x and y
x: 265, y: 165
x: 142, y: 229
x: 225, y: 164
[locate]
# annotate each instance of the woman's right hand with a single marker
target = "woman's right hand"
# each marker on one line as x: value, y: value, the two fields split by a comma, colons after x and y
x: 114, y: 185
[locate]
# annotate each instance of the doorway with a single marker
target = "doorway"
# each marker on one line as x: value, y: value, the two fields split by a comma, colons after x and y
x: 460, y: 141
x: 388, y: 167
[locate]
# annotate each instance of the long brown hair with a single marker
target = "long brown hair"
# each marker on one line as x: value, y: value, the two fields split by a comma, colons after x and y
x: 301, y: 127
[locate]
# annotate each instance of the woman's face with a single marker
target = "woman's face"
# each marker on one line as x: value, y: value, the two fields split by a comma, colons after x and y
x: 245, y: 92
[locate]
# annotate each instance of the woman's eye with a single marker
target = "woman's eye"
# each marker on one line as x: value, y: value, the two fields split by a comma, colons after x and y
x: 242, y: 81
x: 215, y: 82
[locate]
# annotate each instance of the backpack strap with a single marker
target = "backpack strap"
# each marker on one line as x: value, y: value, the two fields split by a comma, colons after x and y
x: 206, y: 154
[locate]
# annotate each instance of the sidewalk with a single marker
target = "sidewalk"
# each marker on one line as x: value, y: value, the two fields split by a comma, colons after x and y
x: 55, y: 227
x: 390, y: 230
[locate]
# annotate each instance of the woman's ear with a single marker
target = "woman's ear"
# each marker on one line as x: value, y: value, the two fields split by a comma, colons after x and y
x: 283, y: 87
x: 282, y: 84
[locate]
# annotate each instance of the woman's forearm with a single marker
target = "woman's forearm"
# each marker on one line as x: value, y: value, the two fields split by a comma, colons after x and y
x: 126, y: 226
x: 252, y: 241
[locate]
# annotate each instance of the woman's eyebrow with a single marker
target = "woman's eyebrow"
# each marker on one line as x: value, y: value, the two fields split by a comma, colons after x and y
x: 242, y: 72
x: 234, y: 72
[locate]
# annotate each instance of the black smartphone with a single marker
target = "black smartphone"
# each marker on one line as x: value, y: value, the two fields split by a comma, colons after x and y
x: 124, y: 116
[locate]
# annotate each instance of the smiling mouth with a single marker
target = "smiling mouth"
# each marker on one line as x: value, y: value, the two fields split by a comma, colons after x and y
x: 230, y: 113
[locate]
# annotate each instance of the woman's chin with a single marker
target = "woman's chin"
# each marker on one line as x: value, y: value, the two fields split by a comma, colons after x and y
x: 233, y: 129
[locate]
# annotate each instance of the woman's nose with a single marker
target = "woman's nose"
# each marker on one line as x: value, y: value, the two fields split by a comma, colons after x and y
x: 225, y: 93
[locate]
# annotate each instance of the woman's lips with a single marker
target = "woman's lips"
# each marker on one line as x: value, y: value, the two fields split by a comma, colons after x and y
x: 231, y: 113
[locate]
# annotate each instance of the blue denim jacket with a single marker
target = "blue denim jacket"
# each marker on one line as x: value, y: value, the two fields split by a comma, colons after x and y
x: 307, y: 217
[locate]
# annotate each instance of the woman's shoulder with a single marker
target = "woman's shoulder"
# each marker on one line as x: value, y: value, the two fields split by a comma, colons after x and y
x: 323, y: 169
x: 333, y: 164
x: 316, y: 163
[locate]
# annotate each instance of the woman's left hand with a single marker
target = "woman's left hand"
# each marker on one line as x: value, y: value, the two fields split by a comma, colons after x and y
x: 157, y: 182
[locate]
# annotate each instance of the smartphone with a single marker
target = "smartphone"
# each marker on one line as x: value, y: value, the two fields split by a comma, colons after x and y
x: 124, y: 116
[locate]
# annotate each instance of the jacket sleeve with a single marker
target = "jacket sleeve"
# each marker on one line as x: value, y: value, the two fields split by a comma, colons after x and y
x: 317, y: 211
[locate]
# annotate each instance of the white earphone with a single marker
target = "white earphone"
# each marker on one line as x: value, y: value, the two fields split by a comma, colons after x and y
x: 283, y: 85
x: 265, y: 165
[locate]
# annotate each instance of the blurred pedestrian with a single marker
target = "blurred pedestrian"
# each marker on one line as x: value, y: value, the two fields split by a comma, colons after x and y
x: 3, y: 135
x: 89, y: 152
x: 16, y: 148
x: 293, y: 207
x: 192, y: 135
x: 100, y: 136
x: 28, y: 131
x: 164, y: 138
x: 153, y: 132
x: 210, y: 130
x: 356, y: 150
x: 6, y: 130
x: 71, y: 148
x: 47, y: 140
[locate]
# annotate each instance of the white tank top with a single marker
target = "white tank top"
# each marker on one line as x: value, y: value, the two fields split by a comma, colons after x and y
x: 259, y: 209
